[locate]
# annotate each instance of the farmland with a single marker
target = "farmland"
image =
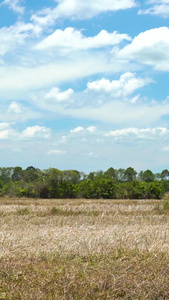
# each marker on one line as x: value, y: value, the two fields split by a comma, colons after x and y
x: 84, y: 249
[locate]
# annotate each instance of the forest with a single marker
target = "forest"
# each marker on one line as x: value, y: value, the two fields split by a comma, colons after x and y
x: 111, y: 184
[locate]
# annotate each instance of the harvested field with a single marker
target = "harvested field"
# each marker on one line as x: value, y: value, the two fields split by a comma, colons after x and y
x: 84, y: 249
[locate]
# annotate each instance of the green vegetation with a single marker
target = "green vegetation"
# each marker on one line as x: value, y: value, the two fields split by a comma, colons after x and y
x: 111, y: 184
x: 163, y: 208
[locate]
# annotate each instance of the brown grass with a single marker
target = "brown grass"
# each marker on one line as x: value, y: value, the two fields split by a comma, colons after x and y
x: 84, y: 249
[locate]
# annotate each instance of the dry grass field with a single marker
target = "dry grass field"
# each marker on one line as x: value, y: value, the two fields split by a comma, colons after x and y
x: 84, y: 249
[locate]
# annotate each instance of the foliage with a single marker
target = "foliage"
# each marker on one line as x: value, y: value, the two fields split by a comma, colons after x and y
x: 54, y: 183
x: 130, y: 174
x: 147, y: 176
x: 166, y: 205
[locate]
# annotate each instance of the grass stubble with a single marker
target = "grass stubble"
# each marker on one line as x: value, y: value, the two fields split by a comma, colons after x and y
x: 84, y: 249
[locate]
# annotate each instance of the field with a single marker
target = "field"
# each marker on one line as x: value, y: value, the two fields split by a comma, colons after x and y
x: 84, y: 249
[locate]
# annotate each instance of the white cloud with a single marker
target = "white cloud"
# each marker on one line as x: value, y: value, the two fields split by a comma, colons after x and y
x: 63, y: 140
x: 77, y: 129
x: 73, y: 39
x: 135, y: 99
x: 23, y: 79
x: 125, y: 86
x: 149, y: 47
x: 92, y: 129
x: 4, y: 126
x: 15, y: 35
x: 6, y: 132
x: 15, y: 112
x: 159, y: 8
x: 56, y: 152
x: 36, y: 132
x: 121, y: 112
x: 15, y: 108
x: 14, y: 5
x: 106, y: 108
x: 140, y: 133
x: 80, y: 9
x: 58, y: 96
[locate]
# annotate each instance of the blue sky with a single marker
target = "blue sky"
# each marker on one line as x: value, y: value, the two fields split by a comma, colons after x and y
x: 84, y: 84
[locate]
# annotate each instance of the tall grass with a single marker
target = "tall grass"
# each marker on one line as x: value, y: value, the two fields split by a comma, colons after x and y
x: 84, y: 249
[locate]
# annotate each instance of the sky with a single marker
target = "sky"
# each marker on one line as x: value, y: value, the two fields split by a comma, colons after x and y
x: 84, y: 84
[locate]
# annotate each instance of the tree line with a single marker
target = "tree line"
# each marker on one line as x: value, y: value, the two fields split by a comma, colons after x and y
x: 111, y: 184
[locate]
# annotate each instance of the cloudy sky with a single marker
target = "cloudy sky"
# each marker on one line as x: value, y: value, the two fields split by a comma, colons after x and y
x: 84, y: 84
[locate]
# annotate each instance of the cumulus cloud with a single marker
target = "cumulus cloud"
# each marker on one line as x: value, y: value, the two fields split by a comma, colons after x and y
x: 80, y: 128
x: 125, y: 86
x: 6, y: 131
x: 15, y: 5
x: 149, y: 47
x: 58, y: 96
x: 106, y: 107
x: 92, y: 129
x: 158, y: 8
x: 77, y: 129
x: 140, y: 133
x: 79, y: 9
x: 73, y: 39
x: 36, y: 132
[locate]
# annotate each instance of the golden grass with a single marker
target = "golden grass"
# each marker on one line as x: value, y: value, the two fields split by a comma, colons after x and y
x: 84, y: 249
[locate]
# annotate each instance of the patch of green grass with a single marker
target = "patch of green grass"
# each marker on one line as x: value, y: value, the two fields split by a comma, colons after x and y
x: 166, y: 205
x: 163, y: 207
x: 57, y: 211
x: 23, y: 211
x: 2, y: 214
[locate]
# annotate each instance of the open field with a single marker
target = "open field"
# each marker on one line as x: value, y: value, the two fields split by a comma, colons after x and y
x: 84, y: 249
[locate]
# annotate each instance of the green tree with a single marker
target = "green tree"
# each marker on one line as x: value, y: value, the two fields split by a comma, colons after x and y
x: 155, y: 190
x: 111, y: 173
x: 120, y: 174
x: 6, y: 174
x: 71, y: 175
x: 130, y: 174
x: 165, y: 174
x: 31, y: 174
x: 146, y: 176
x: 17, y: 174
